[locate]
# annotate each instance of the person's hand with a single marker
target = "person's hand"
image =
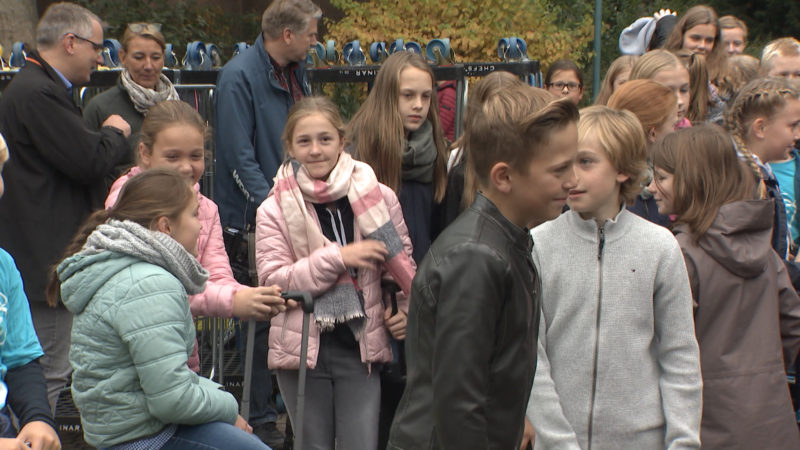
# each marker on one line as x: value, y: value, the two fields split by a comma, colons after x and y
x: 364, y: 254
x: 116, y: 121
x: 39, y: 436
x: 528, y: 436
x: 243, y: 425
x: 661, y: 13
x: 396, y: 323
x: 260, y: 302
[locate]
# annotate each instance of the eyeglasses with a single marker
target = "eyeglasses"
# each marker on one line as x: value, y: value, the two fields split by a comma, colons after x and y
x: 97, y: 47
x: 147, y: 28
x: 560, y: 85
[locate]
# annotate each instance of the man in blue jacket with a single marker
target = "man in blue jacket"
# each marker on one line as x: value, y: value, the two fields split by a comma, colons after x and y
x: 255, y: 91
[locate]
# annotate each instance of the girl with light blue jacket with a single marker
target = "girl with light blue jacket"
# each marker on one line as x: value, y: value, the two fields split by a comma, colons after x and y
x: 126, y: 282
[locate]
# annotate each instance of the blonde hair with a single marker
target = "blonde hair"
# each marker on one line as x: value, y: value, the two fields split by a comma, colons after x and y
x: 148, y: 32
x: 783, y: 47
x: 700, y: 15
x: 650, y: 101
x: 513, y: 126
x: 707, y: 173
x: 304, y: 108
x: 377, y: 131
x: 483, y: 90
x: 292, y: 14
x: 621, y: 64
x: 622, y: 138
x: 654, y: 61
x: 741, y: 70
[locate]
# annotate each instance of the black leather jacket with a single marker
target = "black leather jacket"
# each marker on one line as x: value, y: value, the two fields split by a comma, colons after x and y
x: 471, y: 337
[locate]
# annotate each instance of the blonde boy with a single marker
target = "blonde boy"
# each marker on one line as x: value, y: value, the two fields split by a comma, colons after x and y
x: 781, y: 58
x: 473, y: 318
x: 618, y: 360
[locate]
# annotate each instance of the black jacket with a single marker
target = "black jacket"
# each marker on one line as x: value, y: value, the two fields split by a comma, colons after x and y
x: 54, y: 177
x: 471, y: 337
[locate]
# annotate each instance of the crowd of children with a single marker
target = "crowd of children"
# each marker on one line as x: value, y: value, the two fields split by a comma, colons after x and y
x: 618, y: 276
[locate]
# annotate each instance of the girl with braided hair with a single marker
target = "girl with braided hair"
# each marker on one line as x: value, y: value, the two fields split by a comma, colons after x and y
x: 764, y: 121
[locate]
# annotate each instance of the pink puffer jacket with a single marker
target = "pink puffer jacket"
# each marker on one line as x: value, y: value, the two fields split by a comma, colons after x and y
x: 317, y: 273
x: 217, y: 299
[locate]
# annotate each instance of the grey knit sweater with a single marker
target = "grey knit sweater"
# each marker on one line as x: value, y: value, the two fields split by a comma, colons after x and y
x: 618, y: 363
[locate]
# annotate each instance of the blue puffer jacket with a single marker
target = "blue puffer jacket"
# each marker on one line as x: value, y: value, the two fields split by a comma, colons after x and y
x: 250, y: 110
x: 131, y: 338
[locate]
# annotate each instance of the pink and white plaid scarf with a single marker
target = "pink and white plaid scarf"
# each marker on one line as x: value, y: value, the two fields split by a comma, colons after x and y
x: 356, y: 180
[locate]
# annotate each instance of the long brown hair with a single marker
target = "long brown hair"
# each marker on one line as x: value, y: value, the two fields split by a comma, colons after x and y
x: 377, y: 128
x: 701, y: 15
x: 707, y: 173
x: 143, y: 199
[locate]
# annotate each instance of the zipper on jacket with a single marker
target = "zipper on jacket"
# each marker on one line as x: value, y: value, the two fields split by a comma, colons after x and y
x: 601, y: 242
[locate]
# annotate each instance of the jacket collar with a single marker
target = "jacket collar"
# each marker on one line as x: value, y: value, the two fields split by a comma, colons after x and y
x: 265, y: 57
x: 612, y: 228
x: 521, y: 237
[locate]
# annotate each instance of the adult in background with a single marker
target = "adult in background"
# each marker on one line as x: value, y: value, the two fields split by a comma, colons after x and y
x: 57, y: 166
x: 141, y: 85
x: 254, y: 93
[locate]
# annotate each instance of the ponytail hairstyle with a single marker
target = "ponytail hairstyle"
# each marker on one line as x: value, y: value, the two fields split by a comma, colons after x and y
x: 621, y: 137
x: 167, y: 114
x: 707, y: 173
x: 701, y: 15
x: 377, y: 131
x: 651, y: 102
x: 618, y: 67
x: 481, y: 92
x: 304, y: 108
x: 762, y: 97
x: 141, y: 200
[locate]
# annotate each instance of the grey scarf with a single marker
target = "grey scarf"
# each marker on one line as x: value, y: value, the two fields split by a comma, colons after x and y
x: 155, y: 247
x: 419, y: 154
x: 143, y: 98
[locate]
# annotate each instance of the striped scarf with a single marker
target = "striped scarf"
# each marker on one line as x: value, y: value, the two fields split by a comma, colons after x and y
x: 356, y: 180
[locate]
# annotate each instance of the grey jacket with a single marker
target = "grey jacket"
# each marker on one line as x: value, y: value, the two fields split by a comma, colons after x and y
x: 618, y: 363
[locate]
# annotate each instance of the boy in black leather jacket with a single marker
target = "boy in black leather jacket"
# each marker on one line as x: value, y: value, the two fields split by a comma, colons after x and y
x: 475, y: 302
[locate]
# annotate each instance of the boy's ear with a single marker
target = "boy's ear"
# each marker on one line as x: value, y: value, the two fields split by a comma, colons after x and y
x: 500, y: 177
x: 757, y: 128
x: 622, y: 177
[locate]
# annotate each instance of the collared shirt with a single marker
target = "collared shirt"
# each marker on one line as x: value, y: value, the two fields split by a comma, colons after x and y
x: 64, y: 79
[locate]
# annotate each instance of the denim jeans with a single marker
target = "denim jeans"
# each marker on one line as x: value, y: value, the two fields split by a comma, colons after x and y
x: 342, y: 399
x: 213, y: 436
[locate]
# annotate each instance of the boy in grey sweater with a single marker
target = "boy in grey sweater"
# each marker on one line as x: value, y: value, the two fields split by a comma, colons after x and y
x: 618, y: 362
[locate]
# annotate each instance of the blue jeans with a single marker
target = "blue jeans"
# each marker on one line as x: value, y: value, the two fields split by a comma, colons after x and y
x: 213, y: 436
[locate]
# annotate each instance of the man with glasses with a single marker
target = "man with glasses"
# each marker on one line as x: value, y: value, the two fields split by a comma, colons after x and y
x: 54, y: 176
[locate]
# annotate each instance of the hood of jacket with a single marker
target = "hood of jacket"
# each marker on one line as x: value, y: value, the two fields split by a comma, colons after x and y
x: 740, y: 237
x: 83, y: 275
